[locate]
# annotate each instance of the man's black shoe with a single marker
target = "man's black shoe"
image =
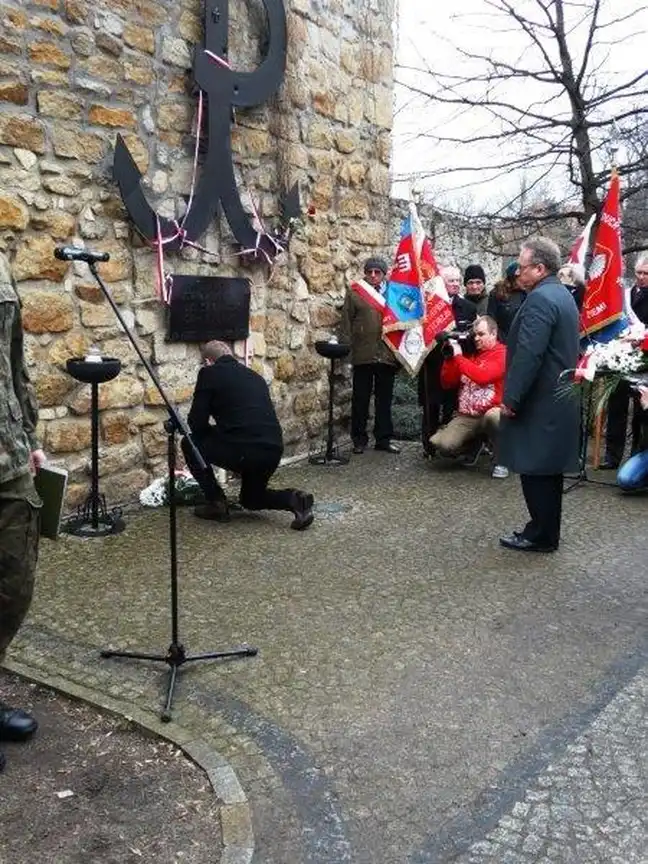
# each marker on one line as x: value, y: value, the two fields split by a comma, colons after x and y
x: 520, y: 544
x: 608, y: 465
x: 358, y: 449
x: 302, y: 507
x: 15, y: 724
x: 387, y: 447
x: 216, y: 511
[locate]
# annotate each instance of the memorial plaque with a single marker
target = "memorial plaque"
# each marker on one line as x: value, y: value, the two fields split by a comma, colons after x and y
x: 209, y: 307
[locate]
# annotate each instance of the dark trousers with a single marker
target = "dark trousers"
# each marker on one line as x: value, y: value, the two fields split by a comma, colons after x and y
x: 543, y: 494
x: 438, y: 405
x: 376, y: 378
x: 255, y: 466
x: 617, y: 423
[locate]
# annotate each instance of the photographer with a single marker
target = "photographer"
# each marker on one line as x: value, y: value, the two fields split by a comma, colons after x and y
x: 480, y: 379
x: 438, y: 404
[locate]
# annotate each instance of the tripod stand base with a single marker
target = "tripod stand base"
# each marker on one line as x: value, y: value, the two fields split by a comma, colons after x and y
x: 104, y: 527
x: 576, y: 480
x: 175, y: 657
x: 93, y: 519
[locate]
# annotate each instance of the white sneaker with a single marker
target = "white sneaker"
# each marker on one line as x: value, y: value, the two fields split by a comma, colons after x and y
x: 500, y: 472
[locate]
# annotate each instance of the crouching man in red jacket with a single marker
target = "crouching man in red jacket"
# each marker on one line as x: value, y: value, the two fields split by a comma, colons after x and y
x: 480, y: 380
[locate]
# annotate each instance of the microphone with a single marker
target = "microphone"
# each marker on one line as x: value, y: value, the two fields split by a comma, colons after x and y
x: 75, y: 253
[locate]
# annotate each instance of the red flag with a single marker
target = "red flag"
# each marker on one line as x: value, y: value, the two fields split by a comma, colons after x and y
x: 604, y: 295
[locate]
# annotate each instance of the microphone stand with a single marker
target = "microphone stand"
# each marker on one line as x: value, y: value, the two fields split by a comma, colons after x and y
x: 176, y: 655
x: 587, y: 412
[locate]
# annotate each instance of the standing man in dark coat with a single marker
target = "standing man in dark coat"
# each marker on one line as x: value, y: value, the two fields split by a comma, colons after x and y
x: 475, y: 284
x: 245, y: 437
x: 539, y: 433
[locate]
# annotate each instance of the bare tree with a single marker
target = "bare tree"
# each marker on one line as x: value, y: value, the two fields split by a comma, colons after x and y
x: 545, y: 98
x: 634, y: 140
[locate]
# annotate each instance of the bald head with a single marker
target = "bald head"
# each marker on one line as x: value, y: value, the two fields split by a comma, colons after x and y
x: 214, y: 350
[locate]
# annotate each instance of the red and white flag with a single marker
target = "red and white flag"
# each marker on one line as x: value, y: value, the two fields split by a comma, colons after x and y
x: 417, y: 307
x: 603, y: 314
x: 580, y: 248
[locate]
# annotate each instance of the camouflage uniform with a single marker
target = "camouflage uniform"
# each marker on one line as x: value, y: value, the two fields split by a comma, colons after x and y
x: 19, y: 503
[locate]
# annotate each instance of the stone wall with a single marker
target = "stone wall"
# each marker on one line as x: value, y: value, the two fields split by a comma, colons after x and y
x: 73, y: 73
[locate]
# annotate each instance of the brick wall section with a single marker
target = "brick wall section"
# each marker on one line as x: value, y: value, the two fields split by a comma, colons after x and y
x: 73, y: 73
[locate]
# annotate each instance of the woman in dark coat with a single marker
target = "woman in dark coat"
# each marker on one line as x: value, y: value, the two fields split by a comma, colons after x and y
x: 504, y: 300
x: 540, y: 429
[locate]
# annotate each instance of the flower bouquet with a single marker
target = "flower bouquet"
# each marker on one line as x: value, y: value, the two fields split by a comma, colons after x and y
x: 187, y: 491
x: 609, y: 363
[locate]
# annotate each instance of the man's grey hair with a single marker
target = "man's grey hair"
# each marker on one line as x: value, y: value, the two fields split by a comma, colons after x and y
x: 642, y: 260
x: 544, y: 251
x: 445, y: 270
x: 214, y: 350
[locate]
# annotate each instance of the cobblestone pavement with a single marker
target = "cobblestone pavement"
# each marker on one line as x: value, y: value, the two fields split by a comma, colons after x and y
x: 590, y: 806
x: 420, y: 695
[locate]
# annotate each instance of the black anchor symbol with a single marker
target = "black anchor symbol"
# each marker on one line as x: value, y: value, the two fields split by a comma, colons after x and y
x: 217, y: 184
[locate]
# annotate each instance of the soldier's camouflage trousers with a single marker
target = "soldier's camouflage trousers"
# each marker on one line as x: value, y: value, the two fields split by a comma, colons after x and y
x: 19, y: 535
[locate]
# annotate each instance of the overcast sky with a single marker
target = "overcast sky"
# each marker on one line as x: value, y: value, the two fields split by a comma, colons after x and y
x: 427, y: 35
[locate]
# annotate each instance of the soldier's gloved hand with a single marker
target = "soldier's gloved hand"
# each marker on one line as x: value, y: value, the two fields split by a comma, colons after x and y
x: 37, y: 459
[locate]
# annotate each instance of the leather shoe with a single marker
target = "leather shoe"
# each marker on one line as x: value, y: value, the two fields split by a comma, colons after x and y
x: 358, y: 449
x: 388, y: 447
x: 608, y: 465
x: 15, y: 724
x: 215, y: 511
x: 520, y: 544
x: 302, y: 507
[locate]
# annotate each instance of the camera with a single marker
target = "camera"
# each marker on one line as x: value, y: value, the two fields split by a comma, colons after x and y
x: 462, y: 335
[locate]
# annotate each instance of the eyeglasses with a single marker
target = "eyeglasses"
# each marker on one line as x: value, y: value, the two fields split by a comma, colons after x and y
x: 374, y: 272
x: 526, y: 266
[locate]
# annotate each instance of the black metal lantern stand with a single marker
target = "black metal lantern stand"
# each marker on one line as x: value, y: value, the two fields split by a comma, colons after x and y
x: 93, y: 518
x: 332, y: 350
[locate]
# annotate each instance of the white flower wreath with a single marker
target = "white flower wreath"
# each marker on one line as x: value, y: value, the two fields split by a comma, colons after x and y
x: 156, y: 494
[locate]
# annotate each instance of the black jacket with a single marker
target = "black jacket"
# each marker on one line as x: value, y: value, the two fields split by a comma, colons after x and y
x: 479, y: 302
x: 504, y: 311
x: 639, y: 303
x: 429, y: 377
x: 238, y: 399
x: 464, y: 311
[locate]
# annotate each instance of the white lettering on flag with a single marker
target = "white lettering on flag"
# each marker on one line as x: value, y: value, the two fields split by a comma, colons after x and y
x: 403, y: 263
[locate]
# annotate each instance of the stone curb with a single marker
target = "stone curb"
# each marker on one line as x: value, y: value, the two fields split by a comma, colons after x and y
x: 235, y: 816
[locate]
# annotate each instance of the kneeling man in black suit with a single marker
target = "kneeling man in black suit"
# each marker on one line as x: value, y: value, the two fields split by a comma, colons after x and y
x: 245, y: 439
